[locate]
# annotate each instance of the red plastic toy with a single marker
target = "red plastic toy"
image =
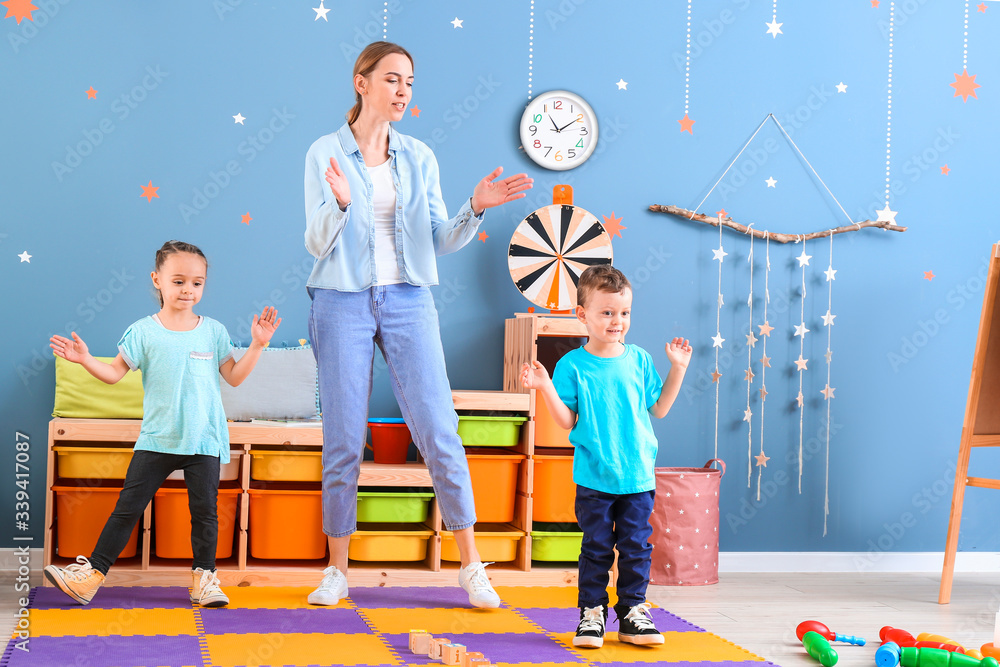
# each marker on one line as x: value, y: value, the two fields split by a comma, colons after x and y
x: 826, y: 633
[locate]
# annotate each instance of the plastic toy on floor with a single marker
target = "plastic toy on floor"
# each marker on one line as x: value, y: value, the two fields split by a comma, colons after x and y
x: 819, y: 648
x: 912, y: 656
x: 830, y: 635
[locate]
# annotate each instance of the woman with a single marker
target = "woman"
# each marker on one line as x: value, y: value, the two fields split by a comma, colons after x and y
x: 375, y: 221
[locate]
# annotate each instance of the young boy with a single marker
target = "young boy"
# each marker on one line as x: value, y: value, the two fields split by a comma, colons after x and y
x: 605, y: 392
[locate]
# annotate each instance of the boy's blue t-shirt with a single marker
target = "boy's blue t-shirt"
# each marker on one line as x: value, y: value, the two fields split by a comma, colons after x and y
x: 613, y: 436
x: 182, y: 409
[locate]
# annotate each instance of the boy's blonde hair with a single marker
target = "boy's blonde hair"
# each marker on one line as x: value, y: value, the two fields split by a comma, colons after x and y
x: 602, y: 277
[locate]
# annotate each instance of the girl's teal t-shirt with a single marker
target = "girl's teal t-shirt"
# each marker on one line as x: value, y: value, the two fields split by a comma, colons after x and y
x: 615, y: 448
x: 182, y: 409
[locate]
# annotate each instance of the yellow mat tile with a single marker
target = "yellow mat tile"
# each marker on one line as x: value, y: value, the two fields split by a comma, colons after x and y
x: 676, y: 647
x: 294, y: 649
x: 445, y: 621
x: 275, y: 597
x: 109, y: 622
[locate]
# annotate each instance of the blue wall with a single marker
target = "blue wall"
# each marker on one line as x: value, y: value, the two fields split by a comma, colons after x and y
x: 170, y: 76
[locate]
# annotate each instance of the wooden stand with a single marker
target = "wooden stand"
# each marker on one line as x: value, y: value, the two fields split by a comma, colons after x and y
x: 981, y: 427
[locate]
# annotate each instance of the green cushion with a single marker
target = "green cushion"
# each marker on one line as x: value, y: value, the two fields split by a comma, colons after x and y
x: 79, y: 394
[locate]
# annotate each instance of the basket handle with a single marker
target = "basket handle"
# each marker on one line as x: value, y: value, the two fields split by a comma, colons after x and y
x: 721, y: 463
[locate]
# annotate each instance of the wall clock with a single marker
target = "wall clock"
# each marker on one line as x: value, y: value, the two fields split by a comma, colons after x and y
x: 551, y: 248
x: 558, y: 130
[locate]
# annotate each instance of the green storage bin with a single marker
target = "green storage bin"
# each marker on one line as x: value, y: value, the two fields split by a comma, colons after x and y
x: 477, y: 431
x: 393, y: 507
x: 557, y: 543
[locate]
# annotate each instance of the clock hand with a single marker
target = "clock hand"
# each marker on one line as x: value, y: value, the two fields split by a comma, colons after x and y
x: 566, y: 125
x: 554, y: 123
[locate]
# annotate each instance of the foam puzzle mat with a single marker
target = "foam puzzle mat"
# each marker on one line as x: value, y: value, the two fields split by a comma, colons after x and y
x: 268, y: 626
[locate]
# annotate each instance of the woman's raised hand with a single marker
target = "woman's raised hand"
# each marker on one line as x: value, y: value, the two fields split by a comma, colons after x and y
x: 490, y: 193
x: 339, y: 186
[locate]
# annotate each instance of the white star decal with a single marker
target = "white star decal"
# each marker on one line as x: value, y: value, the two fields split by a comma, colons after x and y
x: 717, y: 340
x: 800, y: 330
x: 828, y: 319
x: 804, y: 258
x: 25, y: 257
x: 771, y: 182
x: 239, y: 118
x: 681, y: 511
x: 841, y: 87
x: 622, y: 84
x: 831, y: 274
x: 457, y: 22
x: 774, y: 28
x: 885, y: 215
x: 696, y: 566
x: 321, y: 12
x: 719, y: 253
x: 697, y: 530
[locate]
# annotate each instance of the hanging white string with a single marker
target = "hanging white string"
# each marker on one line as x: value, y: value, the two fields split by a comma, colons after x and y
x: 829, y: 357
x: 750, y: 340
x: 385, y: 21
x: 764, y: 360
x: 729, y: 167
x: 531, y: 45
x: 718, y: 321
x: 802, y: 346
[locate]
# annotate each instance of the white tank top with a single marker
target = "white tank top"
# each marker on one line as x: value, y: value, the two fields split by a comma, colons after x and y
x: 384, y: 208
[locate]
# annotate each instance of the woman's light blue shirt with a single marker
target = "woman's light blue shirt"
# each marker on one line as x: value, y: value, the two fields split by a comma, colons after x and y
x: 343, y: 242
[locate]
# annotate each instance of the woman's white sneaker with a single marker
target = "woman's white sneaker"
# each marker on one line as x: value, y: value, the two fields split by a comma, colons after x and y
x: 475, y: 582
x: 331, y: 590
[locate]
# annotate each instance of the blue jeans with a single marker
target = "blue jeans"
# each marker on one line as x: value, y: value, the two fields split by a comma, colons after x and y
x: 344, y: 328
x: 607, y: 521
x: 146, y: 473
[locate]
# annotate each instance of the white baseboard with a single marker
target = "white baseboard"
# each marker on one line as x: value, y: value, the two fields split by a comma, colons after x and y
x: 759, y: 561
x: 862, y: 561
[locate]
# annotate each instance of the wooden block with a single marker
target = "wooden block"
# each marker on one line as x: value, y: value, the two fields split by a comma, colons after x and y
x: 453, y: 654
x: 479, y: 662
x: 419, y: 641
x: 434, y: 648
x: 470, y: 656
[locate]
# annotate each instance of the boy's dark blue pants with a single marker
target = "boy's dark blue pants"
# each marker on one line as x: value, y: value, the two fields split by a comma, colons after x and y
x: 610, y: 521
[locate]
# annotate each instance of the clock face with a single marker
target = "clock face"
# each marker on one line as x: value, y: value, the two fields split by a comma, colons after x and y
x: 559, y: 130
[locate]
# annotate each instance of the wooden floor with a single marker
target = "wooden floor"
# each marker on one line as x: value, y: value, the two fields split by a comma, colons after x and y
x: 760, y: 611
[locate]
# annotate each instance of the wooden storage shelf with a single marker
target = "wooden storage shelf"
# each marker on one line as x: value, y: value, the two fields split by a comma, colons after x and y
x: 242, y: 568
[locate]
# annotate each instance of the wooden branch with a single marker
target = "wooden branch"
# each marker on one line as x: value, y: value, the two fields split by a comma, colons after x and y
x: 774, y: 236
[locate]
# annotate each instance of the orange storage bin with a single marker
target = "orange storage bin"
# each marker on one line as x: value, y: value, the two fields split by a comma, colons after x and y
x: 286, y: 524
x: 495, y: 542
x: 494, y: 483
x: 554, y: 494
x: 547, y: 432
x: 172, y: 523
x: 80, y: 517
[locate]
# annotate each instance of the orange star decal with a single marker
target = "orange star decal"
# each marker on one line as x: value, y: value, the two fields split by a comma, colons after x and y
x: 91, y: 94
x: 875, y: 4
x: 246, y: 218
x: 965, y: 85
x: 929, y: 275
x: 749, y: 375
x: 613, y: 225
x: 686, y: 124
x: 716, y: 375
x: 762, y: 460
x: 827, y: 391
x: 415, y: 111
x: 981, y: 7
x: 19, y: 9
x: 148, y: 191
x: 721, y: 213
x: 766, y: 361
x: 945, y: 170
x: 763, y: 394
x: 483, y: 236
x: 765, y: 329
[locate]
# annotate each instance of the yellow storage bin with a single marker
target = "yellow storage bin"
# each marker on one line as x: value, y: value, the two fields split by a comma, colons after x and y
x: 495, y: 542
x: 172, y: 523
x: 92, y: 462
x: 389, y: 542
x: 275, y: 465
x: 286, y: 524
x: 81, y: 513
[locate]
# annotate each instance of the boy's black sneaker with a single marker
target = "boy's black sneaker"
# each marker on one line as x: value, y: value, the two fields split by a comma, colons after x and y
x: 590, y: 631
x: 635, y: 626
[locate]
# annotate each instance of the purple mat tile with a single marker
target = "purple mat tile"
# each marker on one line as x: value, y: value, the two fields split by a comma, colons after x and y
x: 109, y: 651
x: 411, y: 597
x: 565, y: 620
x: 221, y: 621
x: 117, y: 597
x: 507, y: 647
x: 700, y: 663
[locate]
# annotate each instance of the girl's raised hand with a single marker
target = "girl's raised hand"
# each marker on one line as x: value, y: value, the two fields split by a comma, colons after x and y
x: 71, y: 350
x: 489, y: 192
x: 339, y: 186
x: 534, y: 376
x: 264, y: 325
x: 679, y: 352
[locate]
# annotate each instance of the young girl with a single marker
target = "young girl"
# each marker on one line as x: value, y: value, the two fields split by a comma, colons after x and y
x: 181, y: 356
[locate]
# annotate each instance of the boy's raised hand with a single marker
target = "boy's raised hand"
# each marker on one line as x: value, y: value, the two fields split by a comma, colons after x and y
x: 264, y: 325
x: 534, y: 376
x: 71, y: 350
x: 679, y: 352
